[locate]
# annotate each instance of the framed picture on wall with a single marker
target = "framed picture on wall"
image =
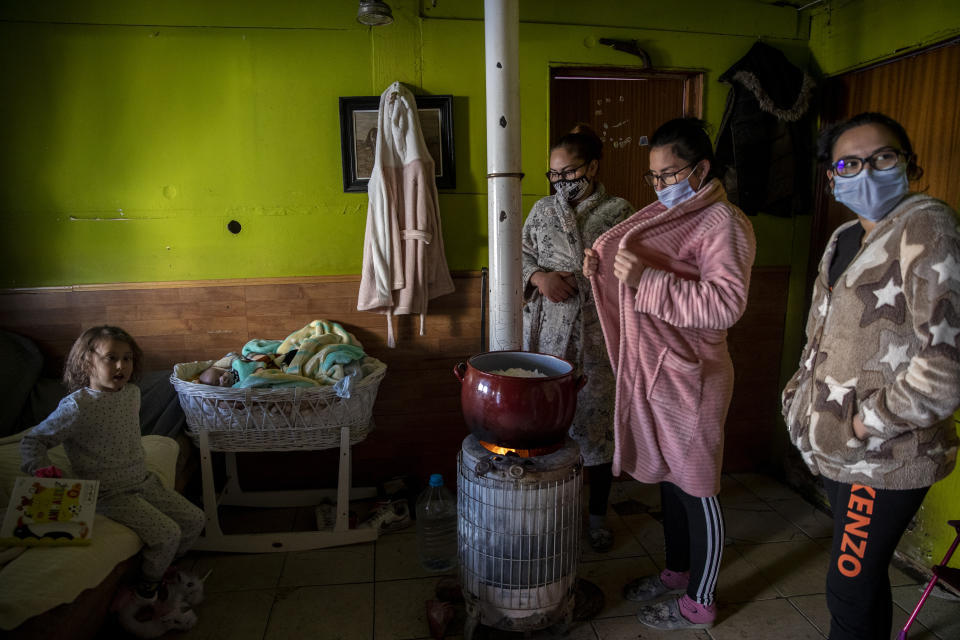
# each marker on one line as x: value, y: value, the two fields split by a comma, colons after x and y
x: 358, y: 138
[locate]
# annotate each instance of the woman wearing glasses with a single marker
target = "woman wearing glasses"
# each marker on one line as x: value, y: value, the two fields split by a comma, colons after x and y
x: 871, y: 406
x: 669, y: 282
x: 559, y: 317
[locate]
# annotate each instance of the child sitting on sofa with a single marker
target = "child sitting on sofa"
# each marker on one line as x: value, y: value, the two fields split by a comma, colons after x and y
x: 98, y: 424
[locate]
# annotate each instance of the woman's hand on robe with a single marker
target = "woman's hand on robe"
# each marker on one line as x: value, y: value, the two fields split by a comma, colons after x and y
x: 591, y: 262
x: 556, y: 286
x: 627, y: 267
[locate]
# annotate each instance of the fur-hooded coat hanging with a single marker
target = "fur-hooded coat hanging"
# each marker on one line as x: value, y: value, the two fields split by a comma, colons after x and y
x: 766, y: 135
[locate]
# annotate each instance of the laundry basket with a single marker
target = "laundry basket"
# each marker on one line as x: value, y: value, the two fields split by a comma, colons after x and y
x: 281, y: 419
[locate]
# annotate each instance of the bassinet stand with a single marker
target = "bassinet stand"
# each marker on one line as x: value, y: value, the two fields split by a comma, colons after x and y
x: 214, y: 539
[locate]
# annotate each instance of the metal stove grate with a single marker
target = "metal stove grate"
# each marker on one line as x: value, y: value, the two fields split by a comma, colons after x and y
x: 519, y: 535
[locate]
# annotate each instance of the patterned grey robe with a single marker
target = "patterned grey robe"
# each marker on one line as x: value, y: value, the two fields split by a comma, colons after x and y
x: 554, y: 236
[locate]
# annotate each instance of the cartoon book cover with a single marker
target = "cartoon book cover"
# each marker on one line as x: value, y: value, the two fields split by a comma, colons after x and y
x: 50, y: 511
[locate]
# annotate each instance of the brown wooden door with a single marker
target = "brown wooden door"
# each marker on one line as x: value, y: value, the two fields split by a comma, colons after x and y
x: 624, y: 107
x: 921, y: 92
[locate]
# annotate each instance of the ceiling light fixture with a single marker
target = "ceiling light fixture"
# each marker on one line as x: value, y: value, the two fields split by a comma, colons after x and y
x: 374, y: 13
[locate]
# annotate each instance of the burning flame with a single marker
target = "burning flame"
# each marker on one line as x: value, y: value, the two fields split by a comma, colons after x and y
x: 523, y: 453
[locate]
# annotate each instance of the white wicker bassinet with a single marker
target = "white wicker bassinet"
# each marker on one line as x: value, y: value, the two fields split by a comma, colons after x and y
x: 275, y: 419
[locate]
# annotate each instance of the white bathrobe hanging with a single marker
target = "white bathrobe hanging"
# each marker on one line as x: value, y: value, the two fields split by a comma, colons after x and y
x: 404, y: 264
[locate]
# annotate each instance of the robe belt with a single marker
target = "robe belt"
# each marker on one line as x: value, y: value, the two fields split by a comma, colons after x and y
x: 425, y: 236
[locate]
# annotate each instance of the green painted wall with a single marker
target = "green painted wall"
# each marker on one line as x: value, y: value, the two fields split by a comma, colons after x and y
x: 128, y: 148
x: 135, y: 131
x: 854, y: 34
x: 849, y: 34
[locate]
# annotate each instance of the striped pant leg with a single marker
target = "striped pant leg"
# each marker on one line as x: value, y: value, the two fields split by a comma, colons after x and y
x: 693, y: 531
x: 698, y: 523
x: 706, y: 550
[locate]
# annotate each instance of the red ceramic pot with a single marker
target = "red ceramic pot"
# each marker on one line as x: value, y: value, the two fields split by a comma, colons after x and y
x: 514, y: 412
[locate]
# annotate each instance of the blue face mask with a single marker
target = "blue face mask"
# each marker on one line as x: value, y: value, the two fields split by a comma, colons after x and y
x: 674, y: 194
x: 872, y: 194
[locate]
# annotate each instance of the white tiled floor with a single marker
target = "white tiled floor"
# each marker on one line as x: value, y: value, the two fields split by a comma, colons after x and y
x: 771, y: 582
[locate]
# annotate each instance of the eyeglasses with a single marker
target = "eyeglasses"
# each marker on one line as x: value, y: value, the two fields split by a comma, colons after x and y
x: 882, y: 160
x: 566, y: 174
x: 665, y: 178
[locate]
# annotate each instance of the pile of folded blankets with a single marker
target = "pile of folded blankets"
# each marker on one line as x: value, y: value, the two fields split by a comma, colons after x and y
x: 321, y: 353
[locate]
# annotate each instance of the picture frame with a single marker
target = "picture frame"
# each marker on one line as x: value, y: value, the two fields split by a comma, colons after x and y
x: 358, y: 128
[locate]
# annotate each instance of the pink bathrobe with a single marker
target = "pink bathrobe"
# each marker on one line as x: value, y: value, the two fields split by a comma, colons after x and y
x: 667, y: 338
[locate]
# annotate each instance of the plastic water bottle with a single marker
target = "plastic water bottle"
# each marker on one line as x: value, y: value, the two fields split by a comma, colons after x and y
x: 437, y: 527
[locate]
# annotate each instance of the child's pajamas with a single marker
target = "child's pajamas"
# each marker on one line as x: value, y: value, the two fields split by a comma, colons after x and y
x: 167, y: 522
x: 100, y: 432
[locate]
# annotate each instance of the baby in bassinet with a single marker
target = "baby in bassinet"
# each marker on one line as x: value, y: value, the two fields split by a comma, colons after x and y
x: 232, y: 368
x: 321, y: 353
x: 218, y: 377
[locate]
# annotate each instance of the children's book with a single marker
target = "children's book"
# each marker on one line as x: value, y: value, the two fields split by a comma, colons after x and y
x: 50, y: 511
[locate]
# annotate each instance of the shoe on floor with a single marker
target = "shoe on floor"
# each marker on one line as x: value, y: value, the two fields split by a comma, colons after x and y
x: 600, y: 539
x: 681, y: 613
x: 152, y: 617
x: 649, y: 588
x: 389, y: 516
x: 128, y: 599
x: 182, y: 586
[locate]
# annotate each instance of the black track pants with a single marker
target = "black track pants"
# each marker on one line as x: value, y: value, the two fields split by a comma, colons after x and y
x: 867, y: 525
x: 693, y: 533
x: 601, y: 478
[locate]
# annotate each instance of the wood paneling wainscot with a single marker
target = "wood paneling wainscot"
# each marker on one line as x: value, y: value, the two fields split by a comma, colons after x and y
x: 419, y: 426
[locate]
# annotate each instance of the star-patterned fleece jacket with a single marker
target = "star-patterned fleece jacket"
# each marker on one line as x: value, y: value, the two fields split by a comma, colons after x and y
x: 883, y: 345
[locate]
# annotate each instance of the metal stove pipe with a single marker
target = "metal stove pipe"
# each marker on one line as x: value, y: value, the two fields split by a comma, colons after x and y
x: 504, y: 214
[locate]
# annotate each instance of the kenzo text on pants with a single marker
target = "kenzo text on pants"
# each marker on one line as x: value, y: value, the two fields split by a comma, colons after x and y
x: 855, y: 531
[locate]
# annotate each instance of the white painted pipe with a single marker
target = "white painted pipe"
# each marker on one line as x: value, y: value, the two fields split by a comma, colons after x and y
x: 501, y: 36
